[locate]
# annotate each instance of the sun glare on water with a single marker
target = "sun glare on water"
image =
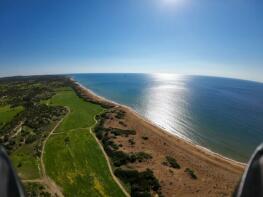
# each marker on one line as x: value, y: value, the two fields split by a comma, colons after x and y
x: 167, y: 76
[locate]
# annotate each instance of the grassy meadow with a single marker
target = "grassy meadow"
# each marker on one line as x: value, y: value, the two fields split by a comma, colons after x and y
x: 25, y: 163
x: 7, y: 113
x: 72, y: 157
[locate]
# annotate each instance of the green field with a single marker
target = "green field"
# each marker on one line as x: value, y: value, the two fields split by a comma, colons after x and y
x: 7, y: 113
x: 26, y: 164
x: 72, y: 157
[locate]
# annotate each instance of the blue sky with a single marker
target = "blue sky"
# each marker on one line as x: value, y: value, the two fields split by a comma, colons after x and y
x: 207, y: 37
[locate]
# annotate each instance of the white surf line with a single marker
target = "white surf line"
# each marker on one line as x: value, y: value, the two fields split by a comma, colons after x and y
x: 206, y: 150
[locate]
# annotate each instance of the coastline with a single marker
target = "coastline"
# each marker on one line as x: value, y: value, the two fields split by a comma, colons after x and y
x: 202, y: 149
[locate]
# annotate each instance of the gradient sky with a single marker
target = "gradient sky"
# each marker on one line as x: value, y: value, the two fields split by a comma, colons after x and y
x: 207, y: 37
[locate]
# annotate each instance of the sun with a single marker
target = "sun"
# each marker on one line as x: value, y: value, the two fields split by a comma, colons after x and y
x: 172, y: 1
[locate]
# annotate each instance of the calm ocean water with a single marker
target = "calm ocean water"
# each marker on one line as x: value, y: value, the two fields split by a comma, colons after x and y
x: 223, y: 115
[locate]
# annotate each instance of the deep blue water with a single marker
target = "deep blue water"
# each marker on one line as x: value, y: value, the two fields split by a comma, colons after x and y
x: 221, y: 114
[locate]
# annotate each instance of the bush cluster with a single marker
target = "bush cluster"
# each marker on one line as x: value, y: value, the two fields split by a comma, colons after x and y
x: 141, y: 183
x: 191, y: 173
x: 122, y: 132
x: 119, y: 114
x: 171, y: 162
x: 19, y: 91
x: 35, y: 189
x: 37, y: 117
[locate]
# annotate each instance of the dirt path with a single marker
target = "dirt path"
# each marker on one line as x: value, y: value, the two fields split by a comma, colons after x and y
x: 45, y: 179
x: 53, y: 188
x: 33, y: 181
x: 43, y: 169
x: 18, y: 129
x: 48, y: 181
x: 108, y: 161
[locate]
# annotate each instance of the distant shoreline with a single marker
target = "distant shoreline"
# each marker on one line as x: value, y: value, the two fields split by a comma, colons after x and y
x: 206, y: 151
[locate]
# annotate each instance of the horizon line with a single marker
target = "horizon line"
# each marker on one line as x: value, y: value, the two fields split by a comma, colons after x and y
x: 148, y: 73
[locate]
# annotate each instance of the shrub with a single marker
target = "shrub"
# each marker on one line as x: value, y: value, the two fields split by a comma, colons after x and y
x: 12, y: 142
x: 172, y: 162
x: 122, y: 123
x: 119, y: 158
x: 131, y: 141
x: 145, y: 138
x: 122, y: 132
x: 120, y: 114
x: 140, y: 156
x: 19, y: 164
x: 66, y: 140
x: 30, y: 139
x: 141, y: 183
x: 191, y: 173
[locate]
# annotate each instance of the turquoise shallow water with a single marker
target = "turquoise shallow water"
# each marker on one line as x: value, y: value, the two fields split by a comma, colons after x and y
x: 221, y: 114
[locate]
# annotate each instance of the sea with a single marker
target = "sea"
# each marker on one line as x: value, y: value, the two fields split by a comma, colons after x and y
x: 220, y: 114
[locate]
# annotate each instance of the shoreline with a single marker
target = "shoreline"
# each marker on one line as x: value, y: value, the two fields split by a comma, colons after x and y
x: 202, y: 150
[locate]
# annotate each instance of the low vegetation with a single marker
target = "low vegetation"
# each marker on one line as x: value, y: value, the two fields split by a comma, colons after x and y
x: 119, y: 114
x: 36, y: 190
x: 141, y: 183
x: 117, y: 132
x: 30, y: 108
x: 82, y: 94
x: 122, y: 123
x: 25, y: 121
x: 7, y: 113
x: 171, y: 162
x: 72, y: 157
x: 191, y: 173
x: 140, y: 157
x: 118, y: 158
x: 145, y: 138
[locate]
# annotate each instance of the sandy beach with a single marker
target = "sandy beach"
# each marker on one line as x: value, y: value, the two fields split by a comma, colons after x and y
x: 217, y: 175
